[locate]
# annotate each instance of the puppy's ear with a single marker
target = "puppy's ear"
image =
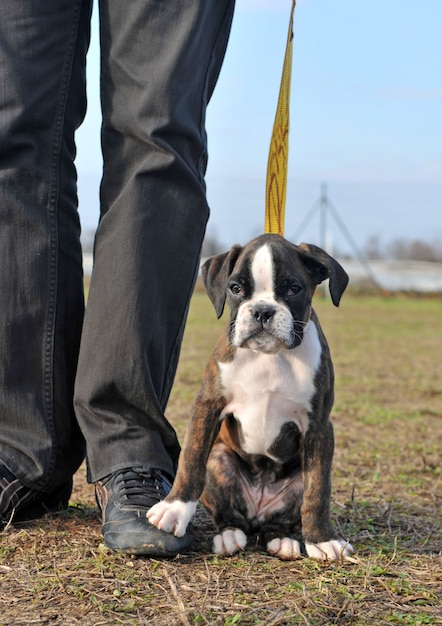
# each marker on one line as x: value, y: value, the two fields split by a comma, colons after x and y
x: 215, y: 272
x: 320, y: 266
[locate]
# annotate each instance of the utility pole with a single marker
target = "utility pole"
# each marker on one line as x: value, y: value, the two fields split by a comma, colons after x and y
x: 325, y: 207
x: 323, y: 216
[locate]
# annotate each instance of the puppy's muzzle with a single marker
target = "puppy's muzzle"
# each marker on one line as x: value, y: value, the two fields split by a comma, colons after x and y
x: 263, y: 326
x: 263, y: 314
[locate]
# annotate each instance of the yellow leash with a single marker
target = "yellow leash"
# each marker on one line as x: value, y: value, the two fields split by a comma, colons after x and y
x: 276, y: 183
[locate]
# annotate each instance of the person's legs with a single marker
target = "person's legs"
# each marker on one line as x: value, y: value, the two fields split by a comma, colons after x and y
x: 160, y: 63
x: 42, y: 101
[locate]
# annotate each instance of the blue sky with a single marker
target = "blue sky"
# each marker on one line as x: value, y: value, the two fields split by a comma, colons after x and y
x: 366, y: 118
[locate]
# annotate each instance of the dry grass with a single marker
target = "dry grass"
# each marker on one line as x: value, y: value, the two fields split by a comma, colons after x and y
x: 387, y: 500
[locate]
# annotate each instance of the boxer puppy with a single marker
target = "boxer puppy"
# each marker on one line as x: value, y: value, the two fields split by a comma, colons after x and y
x: 259, y: 444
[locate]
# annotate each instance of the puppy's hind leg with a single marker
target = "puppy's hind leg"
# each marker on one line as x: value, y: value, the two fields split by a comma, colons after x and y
x: 280, y: 541
x: 281, y: 534
x: 222, y: 497
x: 285, y: 548
x: 229, y: 541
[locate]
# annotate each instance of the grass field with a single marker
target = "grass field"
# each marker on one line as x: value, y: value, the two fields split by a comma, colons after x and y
x: 386, y: 500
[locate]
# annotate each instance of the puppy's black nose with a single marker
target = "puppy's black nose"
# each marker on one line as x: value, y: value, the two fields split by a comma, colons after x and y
x: 263, y: 313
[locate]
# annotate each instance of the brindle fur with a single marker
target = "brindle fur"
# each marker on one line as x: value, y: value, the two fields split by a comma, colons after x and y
x: 213, y: 464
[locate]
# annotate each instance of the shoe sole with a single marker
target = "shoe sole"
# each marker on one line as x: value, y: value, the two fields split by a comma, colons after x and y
x: 153, y: 543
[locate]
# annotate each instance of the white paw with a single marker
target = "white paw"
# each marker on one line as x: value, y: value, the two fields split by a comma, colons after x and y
x: 285, y: 549
x: 172, y: 517
x: 229, y: 541
x: 329, y: 550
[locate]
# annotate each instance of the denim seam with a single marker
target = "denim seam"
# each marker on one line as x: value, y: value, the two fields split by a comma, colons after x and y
x: 53, y: 197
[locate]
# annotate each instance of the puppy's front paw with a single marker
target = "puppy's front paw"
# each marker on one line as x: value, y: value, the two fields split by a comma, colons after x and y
x: 172, y: 517
x: 332, y: 550
x: 285, y: 549
x: 229, y: 541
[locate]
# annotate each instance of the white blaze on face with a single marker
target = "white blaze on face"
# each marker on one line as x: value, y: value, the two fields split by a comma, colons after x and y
x: 278, y: 332
x: 262, y: 274
x: 261, y: 270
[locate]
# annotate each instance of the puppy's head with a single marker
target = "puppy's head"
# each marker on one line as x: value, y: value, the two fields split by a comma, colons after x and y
x: 269, y: 285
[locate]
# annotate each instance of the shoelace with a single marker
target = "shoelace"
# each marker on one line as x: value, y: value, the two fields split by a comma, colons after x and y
x: 141, y: 487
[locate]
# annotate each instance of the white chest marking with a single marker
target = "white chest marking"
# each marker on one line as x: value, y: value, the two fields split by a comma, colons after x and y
x: 264, y: 391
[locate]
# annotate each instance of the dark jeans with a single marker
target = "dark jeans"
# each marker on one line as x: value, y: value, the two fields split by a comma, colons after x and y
x: 160, y: 63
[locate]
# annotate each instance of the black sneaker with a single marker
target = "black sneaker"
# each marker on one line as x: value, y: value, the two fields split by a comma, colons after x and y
x: 19, y: 503
x: 124, y: 498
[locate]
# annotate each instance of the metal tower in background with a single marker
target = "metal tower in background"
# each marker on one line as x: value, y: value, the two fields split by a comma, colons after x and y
x: 325, y: 207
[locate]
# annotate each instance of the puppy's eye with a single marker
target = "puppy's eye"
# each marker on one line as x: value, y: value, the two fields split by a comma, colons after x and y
x: 236, y: 289
x: 290, y: 289
x: 293, y: 290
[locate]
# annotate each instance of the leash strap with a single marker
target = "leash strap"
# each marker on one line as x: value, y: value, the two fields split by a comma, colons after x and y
x: 276, y: 182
